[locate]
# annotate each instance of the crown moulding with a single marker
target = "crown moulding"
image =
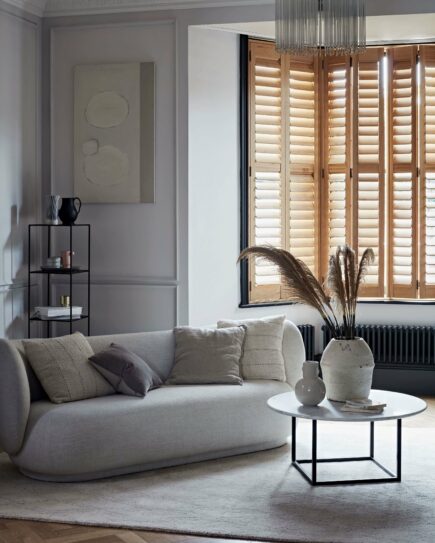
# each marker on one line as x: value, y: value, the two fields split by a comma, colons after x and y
x: 55, y: 8
x: 35, y: 7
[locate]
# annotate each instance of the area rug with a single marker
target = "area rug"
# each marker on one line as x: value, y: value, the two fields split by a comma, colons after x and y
x: 256, y: 496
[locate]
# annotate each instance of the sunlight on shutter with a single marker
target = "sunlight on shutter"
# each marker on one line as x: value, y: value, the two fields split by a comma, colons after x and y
x: 403, y: 171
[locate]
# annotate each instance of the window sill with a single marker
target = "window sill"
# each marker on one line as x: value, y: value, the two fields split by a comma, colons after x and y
x: 363, y: 301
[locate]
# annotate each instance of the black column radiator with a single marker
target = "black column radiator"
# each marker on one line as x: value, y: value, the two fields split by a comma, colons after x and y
x: 307, y: 331
x: 397, y: 346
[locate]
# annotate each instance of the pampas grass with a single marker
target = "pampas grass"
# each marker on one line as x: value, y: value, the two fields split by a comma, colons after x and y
x: 337, y: 304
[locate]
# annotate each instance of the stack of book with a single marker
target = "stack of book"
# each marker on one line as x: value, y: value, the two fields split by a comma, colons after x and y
x: 61, y: 313
x: 363, y: 406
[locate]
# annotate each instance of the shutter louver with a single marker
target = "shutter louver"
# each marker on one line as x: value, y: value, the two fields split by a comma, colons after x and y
x: 369, y: 165
x: 265, y: 134
x: 336, y: 200
x: 303, y: 162
x: 402, y: 83
x: 427, y: 171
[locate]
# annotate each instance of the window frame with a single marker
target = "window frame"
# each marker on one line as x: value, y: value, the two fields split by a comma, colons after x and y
x: 244, y: 119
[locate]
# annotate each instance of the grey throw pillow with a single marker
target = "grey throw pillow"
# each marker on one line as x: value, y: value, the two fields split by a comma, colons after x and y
x: 207, y: 356
x: 61, y: 365
x: 127, y: 372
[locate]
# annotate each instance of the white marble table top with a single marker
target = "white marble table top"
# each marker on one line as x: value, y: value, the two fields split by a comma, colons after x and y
x: 398, y: 406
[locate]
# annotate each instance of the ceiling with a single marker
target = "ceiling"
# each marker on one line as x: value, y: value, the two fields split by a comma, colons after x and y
x: 391, y: 28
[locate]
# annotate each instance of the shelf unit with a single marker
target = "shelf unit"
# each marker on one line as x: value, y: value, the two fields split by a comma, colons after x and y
x: 60, y: 271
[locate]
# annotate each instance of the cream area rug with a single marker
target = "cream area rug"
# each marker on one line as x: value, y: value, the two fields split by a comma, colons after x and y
x: 255, y: 496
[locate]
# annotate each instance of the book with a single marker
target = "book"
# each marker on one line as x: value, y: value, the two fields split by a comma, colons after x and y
x: 46, y: 312
x: 363, y: 406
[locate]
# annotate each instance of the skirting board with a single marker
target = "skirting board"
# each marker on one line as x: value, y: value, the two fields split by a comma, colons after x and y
x: 419, y: 382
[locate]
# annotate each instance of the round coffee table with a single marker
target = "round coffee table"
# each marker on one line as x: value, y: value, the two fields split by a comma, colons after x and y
x: 399, y: 406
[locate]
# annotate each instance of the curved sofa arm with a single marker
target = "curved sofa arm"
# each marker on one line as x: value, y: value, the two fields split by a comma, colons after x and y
x: 14, y: 398
x: 293, y: 349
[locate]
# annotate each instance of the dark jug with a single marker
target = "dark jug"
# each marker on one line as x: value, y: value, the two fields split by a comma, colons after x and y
x: 68, y: 211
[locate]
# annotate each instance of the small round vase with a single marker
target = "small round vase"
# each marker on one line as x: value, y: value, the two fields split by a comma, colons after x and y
x: 310, y: 390
x: 347, y: 369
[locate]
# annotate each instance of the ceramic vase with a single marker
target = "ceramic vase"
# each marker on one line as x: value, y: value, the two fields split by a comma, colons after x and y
x: 68, y: 212
x: 52, y: 214
x: 310, y: 390
x: 347, y: 369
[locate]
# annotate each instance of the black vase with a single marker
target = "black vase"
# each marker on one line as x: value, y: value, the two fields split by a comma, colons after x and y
x: 68, y: 211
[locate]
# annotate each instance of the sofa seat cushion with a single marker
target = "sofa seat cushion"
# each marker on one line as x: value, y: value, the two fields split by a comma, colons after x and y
x: 106, y: 434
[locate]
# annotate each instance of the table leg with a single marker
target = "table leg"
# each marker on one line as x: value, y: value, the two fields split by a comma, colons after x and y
x: 293, y: 439
x: 399, y: 450
x: 372, y: 439
x: 314, y: 453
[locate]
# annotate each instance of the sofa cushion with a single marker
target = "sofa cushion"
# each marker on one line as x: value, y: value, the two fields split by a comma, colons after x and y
x: 126, y: 371
x: 170, y: 425
x: 61, y: 365
x: 262, y: 354
x: 207, y: 356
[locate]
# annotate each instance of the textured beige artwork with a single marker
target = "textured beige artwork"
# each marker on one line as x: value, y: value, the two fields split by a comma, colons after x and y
x: 114, y: 133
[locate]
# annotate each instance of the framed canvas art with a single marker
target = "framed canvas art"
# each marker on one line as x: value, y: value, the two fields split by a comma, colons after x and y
x: 114, y: 132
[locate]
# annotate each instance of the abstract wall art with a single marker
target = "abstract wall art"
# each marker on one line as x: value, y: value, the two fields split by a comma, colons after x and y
x: 114, y: 132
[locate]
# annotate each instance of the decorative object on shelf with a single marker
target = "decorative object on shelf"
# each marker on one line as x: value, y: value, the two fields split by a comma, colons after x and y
x: 320, y: 27
x: 66, y: 258
x: 310, y: 390
x: 47, y: 313
x: 65, y: 300
x: 68, y: 212
x: 52, y: 214
x: 114, y: 109
x: 347, y: 362
x: 53, y: 262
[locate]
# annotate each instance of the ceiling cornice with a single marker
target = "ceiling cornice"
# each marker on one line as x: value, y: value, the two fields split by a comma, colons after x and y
x: 55, y: 8
x: 35, y: 7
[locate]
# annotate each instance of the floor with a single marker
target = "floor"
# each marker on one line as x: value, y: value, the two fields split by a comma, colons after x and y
x: 15, y: 531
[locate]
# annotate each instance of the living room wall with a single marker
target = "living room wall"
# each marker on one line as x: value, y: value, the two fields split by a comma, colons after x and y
x: 19, y: 159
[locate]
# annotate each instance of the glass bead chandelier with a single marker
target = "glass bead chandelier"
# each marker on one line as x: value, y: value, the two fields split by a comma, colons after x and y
x: 320, y: 27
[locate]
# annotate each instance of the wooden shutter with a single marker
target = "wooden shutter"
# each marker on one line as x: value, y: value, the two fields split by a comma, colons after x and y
x: 303, y: 162
x: 427, y: 171
x: 402, y: 93
x: 368, y: 170
x: 267, y: 218
x: 336, y: 219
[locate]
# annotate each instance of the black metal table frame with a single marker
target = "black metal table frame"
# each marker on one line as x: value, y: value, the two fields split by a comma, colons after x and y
x: 314, y: 460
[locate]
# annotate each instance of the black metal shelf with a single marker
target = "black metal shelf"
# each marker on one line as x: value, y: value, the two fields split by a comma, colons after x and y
x: 68, y: 272
x: 60, y: 271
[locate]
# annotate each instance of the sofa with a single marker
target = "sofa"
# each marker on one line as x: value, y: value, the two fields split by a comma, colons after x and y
x: 117, y: 434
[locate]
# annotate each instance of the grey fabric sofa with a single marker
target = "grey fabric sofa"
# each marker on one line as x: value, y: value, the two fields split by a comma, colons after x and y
x: 118, y: 434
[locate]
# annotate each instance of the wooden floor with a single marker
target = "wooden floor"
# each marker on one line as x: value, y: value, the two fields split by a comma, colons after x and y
x: 17, y: 531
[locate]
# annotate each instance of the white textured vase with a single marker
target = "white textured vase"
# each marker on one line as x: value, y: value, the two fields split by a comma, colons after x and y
x: 310, y: 390
x: 347, y: 369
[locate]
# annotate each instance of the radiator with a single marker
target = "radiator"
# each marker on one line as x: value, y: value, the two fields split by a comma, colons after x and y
x: 307, y: 331
x: 397, y: 346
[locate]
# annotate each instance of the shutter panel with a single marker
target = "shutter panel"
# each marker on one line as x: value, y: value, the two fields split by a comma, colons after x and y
x: 402, y: 92
x: 266, y: 172
x: 369, y: 165
x: 303, y: 160
x: 427, y: 171
x: 336, y: 217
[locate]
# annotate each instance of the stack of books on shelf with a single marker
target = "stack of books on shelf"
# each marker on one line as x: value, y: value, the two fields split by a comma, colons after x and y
x: 61, y: 313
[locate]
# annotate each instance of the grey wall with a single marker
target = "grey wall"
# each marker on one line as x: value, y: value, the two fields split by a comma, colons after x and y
x: 19, y: 160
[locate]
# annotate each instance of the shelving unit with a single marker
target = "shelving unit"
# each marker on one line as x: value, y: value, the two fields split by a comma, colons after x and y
x: 59, y: 271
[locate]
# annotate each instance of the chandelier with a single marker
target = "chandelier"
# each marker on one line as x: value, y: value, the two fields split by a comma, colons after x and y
x: 320, y: 27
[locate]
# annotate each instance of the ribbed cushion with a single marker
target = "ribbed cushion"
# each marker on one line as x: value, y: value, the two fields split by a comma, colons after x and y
x: 61, y: 365
x: 262, y: 354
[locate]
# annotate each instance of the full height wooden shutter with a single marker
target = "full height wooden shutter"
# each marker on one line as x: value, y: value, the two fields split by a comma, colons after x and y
x: 368, y: 170
x: 336, y: 219
x: 303, y: 160
x: 402, y: 135
x: 427, y: 171
x: 267, y: 223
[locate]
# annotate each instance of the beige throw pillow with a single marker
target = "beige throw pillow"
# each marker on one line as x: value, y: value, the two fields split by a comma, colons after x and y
x: 61, y: 365
x: 207, y: 356
x: 262, y: 354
